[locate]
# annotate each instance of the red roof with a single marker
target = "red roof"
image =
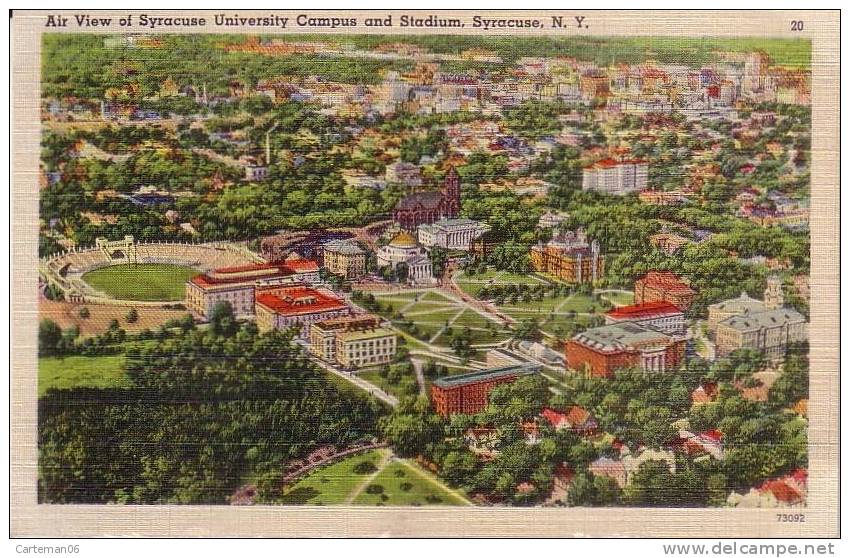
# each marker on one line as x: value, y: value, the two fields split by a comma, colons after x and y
x: 279, y: 269
x: 668, y: 280
x: 247, y: 267
x: 300, y: 300
x: 578, y: 416
x: 611, y: 163
x: 554, y: 417
x: 302, y: 265
x: 714, y: 435
x: 645, y: 310
x: 782, y: 491
x: 205, y: 280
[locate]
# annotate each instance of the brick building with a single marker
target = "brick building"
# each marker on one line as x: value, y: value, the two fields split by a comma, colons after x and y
x: 468, y: 393
x: 601, y: 350
x: 428, y: 207
x: 658, y: 286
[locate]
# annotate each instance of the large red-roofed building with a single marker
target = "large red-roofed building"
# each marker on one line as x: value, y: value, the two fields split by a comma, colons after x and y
x: 237, y: 285
x: 299, y: 306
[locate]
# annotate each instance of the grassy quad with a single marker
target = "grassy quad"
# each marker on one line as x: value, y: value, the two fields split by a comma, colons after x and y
x: 332, y: 484
x: 472, y: 285
x: 406, y: 485
x: 69, y: 372
x: 341, y: 483
x: 143, y: 282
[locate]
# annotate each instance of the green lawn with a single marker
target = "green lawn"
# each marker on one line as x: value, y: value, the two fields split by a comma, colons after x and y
x: 619, y: 299
x: 405, y: 484
x: 146, y: 282
x: 397, y: 389
x: 332, y: 484
x: 81, y: 371
x: 472, y: 285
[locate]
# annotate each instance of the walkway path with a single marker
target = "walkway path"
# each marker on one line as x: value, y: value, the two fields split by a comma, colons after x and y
x: 428, y: 477
x: 357, y: 381
x: 420, y: 377
x: 445, y: 327
x: 294, y: 475
x: 385, y: 460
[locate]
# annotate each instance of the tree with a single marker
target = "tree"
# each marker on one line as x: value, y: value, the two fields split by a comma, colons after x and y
x: 652, y: 485
x: 457, y: 467
x: 411, y: 427
x: 222, y: 319
x: 528, y: 329
x: 439, y: 259
x: 793, y: 384
x: 49, y: 337
x: 132, y: 316
x: 587, y: 489
x: 401, y: 272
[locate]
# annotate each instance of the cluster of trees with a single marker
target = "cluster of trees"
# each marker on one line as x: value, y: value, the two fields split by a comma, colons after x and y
x: 205, y: 409
x: 400, y: 375
x: 761, y: 440
x: 520, y: 292
x: 534, y: 119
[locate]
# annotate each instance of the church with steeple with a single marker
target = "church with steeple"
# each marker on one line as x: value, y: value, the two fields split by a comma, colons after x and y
x: 425, y: 208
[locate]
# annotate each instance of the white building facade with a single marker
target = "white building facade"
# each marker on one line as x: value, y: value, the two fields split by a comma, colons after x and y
x: 452, y: 234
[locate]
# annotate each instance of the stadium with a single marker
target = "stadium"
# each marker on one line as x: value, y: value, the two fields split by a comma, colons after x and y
x: 126, y: 272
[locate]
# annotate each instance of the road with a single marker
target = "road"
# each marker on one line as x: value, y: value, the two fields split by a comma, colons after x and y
x: 420, y: 377
x: 372, y: 389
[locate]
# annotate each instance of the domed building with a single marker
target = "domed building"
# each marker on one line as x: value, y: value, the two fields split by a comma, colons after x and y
x: 404, y: 249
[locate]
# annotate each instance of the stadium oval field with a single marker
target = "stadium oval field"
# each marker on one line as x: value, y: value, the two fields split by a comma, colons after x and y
x: 149, y: 282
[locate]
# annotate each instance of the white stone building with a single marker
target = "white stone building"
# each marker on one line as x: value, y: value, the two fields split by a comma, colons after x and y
x: 453, y: 234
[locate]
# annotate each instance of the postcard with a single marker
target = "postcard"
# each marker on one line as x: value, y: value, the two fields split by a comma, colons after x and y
x: 425, y: 273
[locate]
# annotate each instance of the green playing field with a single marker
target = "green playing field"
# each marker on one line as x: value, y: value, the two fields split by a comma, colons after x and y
x: 149, y: 282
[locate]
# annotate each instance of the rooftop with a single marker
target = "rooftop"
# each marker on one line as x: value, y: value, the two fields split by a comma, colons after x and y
x: 300, y: 300
x: 485, y: 375
x: 669, y: 280
x: 642, y: 311
x: 361, y: 334
x: 622, y: 336
x: 768, y: 319
x: 742, y: 306
x: 348, y: 247
x: 357, y: 320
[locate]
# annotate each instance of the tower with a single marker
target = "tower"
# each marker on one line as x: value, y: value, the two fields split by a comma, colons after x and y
x: 451, y: 194
x: 773, y: 296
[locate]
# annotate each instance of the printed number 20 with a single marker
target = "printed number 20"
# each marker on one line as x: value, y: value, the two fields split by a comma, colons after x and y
x: 796, y: 25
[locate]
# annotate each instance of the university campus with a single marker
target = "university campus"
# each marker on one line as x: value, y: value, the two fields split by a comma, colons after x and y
x: 424, y: 270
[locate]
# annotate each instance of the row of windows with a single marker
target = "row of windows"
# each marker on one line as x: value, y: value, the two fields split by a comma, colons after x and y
x: 386, y: 351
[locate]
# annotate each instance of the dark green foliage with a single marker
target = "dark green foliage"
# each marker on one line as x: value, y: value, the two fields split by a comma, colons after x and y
x: 203, y: 412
